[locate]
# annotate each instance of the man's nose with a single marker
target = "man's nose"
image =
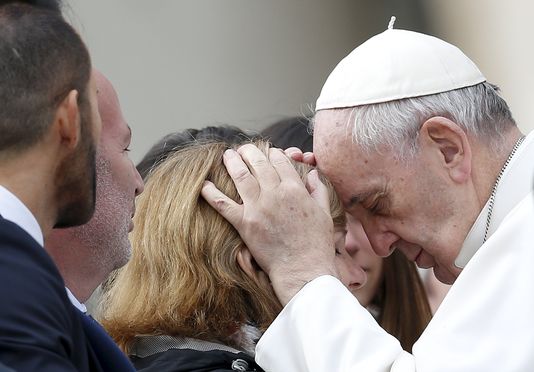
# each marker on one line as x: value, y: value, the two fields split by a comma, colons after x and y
x: 383, y: 244
x: 381, y: 239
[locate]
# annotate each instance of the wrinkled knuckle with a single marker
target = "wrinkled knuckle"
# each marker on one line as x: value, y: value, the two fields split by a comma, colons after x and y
x: 258, y: 163
x: 241, y: 175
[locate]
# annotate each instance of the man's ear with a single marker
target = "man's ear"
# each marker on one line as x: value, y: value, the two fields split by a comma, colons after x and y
x: 67, y: 121
x: 250, y: 267
x: 445, y: 138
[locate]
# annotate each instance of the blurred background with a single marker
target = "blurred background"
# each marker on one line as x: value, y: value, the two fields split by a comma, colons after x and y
x: 180, y: 64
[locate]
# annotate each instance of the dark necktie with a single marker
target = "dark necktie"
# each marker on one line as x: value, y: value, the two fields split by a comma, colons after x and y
x: 111, y: 358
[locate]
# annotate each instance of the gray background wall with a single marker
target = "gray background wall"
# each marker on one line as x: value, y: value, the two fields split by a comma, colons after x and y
x: 498, y: 36
x: 180, y: 64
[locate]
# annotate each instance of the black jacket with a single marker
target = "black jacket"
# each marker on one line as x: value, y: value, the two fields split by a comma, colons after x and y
x: 40, y: 330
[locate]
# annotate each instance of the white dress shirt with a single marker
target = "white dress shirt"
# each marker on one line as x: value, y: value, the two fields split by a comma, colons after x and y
x: 12, y: 209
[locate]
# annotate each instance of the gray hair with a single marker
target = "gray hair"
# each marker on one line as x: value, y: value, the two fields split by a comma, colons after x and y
x: 479, y: 110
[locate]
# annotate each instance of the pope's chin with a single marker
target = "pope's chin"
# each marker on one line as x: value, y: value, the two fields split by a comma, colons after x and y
x: 444, y: 275
x: 424, y: 260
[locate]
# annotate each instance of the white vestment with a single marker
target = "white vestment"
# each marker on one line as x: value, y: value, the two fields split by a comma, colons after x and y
x: 485, y: 323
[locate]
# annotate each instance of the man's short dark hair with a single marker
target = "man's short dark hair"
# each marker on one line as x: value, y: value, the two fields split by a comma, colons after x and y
x: 42, y: 58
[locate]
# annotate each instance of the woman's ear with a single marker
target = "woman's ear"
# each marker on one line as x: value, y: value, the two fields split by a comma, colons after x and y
x: 250, y: 267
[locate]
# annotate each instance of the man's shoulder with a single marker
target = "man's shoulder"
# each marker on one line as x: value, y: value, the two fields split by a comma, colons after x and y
x: 38, y: 324
x: 11, y: 233
x: 21, y: 257
x: 31, y: 284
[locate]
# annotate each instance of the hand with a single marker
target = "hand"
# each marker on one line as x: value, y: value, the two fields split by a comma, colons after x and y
x: 296, y: 154
x: 285, y: 224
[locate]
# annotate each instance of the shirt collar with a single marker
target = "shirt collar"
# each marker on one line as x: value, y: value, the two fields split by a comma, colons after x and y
x: 77, y: 304
x: 14, y: 210
x: 515, y: 184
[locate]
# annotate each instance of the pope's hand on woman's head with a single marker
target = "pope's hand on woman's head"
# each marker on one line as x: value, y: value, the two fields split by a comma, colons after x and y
x: 286, y: 224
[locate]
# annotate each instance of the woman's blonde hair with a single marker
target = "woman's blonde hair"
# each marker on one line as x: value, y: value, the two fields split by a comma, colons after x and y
x: 183, y: 278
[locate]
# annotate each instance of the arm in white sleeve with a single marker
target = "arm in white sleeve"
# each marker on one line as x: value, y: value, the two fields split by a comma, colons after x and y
x: 324, y: 328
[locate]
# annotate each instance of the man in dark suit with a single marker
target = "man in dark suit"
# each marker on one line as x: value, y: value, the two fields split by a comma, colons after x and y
x: 49, y: 125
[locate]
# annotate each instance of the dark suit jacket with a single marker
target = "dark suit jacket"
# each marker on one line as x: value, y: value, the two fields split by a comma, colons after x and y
x: 40, y: 330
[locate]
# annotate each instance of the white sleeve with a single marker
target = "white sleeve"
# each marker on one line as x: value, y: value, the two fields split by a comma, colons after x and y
x: 324, y: 329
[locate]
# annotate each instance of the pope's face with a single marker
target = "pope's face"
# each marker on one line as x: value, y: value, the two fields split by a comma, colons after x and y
x: 411, y: 206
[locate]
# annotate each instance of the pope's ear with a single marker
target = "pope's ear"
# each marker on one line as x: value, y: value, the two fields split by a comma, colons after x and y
x: 250, y: 267
x: 445, y: 138
x: 67, y: 121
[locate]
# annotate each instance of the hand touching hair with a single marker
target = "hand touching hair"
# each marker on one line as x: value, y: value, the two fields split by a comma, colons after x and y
x: 190, y: 273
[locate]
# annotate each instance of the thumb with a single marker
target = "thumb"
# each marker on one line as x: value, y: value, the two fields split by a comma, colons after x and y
x: 318, y: 190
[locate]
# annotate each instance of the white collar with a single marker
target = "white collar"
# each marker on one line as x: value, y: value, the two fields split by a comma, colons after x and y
x: 515, y: 184
x: 12, y: 209
x: 77, y: 304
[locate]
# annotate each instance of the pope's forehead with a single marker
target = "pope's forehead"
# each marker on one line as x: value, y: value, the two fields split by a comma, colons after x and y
x: 330, y: 128
x: 332, y: 137
x: 339, y: 158
x: 335, y: 119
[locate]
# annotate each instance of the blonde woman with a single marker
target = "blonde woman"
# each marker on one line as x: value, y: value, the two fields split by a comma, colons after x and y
x: 192, y: 298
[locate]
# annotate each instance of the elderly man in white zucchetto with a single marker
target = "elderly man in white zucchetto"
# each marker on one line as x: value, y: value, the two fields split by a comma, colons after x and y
x: 426, y: 154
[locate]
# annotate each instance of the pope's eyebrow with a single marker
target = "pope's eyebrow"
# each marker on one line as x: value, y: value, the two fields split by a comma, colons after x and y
x: 360, y: 197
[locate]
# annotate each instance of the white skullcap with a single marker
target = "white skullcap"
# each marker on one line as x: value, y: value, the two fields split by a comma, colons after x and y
x: 397, y: 64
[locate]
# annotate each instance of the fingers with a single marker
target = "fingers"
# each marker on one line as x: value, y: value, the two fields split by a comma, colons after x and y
x: 318, y: 191
x: 259, y: 165
x: 309, y: 158
x: 283, y: 166
x: 228, y: 208
x: 246, y: 184
x: 294, y: 153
